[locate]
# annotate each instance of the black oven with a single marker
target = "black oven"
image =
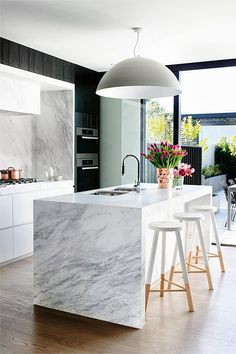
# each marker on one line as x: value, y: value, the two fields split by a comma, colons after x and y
x: 87, y: 140
x: 87, y: 171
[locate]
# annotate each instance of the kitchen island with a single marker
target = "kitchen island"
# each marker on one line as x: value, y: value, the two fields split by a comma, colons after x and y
x: 91, y: 251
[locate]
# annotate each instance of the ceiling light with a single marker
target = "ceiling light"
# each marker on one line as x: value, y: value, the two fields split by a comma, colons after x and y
x: 138, y: 78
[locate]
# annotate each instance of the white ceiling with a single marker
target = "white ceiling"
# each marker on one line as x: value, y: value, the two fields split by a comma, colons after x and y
x: 95, y: 33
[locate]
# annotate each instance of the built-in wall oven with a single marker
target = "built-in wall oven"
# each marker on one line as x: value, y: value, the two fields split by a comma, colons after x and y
x: 87, y: 159
x: 87, y: 140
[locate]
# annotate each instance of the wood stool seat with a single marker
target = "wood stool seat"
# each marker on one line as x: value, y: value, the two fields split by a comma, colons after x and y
x: 160, y: 228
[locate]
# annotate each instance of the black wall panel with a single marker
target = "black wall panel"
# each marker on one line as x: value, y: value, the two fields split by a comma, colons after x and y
x: 32, y: 60
x: 68, y: 71
x: 194, y: 158
x: 24, y: 58
x: 14, y: 55
x: 39, y: 63
x: 47, y: 65
x: 0, y: 50
x: 5, y: 52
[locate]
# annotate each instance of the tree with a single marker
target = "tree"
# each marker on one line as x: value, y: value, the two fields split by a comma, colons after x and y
x: 159, y: 123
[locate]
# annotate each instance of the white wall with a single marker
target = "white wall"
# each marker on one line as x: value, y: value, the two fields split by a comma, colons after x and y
x: 119, y: 136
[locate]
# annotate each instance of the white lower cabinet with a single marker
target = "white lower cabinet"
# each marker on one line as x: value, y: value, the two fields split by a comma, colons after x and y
x: 5, y: 211
x: 23, y: 206
x: 6, y: 245
x: 23, y: 240
x: 16, y: 217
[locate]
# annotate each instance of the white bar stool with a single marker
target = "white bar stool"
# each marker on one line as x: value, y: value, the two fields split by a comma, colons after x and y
x: 163, y: 227
x: 196, y: 218
x: 211, y: 211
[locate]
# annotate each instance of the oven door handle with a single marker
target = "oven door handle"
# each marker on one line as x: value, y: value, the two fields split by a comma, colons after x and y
x: 90, y: 168
x: 89, y: 137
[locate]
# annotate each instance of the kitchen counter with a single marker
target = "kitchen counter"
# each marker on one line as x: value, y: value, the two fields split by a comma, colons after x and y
x: 34, y: 186
x: 91, y: 250
x: 16, y: 221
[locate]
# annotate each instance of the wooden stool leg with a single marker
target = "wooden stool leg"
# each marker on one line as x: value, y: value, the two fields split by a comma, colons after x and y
x: 172, y: 269
x: 163, y: 259
x: 204, y: 254
x: 189, y: 260
x: 197, y: 254
x: 213, y: 220
x: 150, y: 267
x: 184, y: 270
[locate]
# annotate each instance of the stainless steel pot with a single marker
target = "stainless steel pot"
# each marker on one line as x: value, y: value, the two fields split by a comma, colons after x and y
x: 13, y: 173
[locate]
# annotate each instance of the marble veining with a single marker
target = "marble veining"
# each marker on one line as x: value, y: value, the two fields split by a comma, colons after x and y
x: 33, y: 143
x: 17, y: 143
x: 100, y: 263
x: 91, y: 250
x: 54, y: 134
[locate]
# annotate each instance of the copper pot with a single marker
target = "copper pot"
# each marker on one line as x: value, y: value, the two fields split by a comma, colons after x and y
x: 14, y: 174
x: 4, y: 174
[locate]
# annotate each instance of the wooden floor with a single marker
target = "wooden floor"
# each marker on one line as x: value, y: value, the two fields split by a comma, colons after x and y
x: 169, y: 327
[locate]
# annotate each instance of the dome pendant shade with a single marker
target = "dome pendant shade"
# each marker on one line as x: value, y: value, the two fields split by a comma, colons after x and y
x: 138, y: 78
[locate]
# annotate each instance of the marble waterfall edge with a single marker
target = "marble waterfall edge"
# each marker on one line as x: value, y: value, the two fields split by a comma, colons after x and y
x: 88, y: 266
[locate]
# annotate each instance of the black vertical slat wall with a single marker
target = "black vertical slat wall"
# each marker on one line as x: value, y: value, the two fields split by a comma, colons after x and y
x: 194, y: 158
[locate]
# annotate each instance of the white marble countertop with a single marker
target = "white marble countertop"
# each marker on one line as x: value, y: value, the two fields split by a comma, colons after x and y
x: 91, y: 251
x: 150, y: 195
x: 29, y: 187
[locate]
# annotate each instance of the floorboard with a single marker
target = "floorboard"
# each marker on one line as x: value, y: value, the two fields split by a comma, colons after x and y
x: 170, y: 328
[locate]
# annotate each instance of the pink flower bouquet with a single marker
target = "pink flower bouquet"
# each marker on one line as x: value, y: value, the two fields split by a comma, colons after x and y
x: 183, y: 170
x: 164, y: 155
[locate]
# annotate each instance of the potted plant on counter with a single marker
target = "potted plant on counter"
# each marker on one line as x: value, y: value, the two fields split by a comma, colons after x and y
x: 164, y: 158
x: 180, y: 172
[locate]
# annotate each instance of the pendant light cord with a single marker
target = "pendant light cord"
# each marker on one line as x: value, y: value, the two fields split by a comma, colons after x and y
x: 137, y: 55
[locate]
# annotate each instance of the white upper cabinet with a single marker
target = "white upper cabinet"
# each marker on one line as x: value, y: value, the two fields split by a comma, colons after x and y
x: 19, y: 96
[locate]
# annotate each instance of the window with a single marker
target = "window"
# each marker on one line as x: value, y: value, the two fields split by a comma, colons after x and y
x: 158, y: 121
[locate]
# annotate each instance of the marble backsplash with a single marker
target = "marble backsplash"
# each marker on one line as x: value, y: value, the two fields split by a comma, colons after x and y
x: 17, y: 143
x: 34, y: 143
x: 54, y: 134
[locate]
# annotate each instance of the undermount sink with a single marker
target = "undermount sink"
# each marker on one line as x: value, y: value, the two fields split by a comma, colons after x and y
x: 126, y: 189
x: 110, y: 193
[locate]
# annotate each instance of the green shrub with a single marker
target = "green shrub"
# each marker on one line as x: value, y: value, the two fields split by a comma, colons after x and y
x: 225, y: 153
x: 211, y: 171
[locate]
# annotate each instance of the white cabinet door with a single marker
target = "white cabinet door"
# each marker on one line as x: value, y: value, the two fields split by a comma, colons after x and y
x: 23, y: 206
x: 23, y: 240
x: 6, y: 245
x: 5, y: 211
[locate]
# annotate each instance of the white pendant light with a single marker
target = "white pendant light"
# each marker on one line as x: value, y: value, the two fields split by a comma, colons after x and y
x: 138, y: 78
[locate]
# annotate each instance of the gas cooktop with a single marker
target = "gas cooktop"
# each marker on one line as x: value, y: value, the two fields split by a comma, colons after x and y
x: 7, y: 182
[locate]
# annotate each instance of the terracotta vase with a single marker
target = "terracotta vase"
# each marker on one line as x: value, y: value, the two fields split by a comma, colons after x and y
x: 164, y: 177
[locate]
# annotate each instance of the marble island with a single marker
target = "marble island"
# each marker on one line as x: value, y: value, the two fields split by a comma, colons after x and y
x: 90, y: 251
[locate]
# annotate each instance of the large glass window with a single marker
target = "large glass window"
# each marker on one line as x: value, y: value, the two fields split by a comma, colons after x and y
x: 159, y: 126
x: 208, y: 99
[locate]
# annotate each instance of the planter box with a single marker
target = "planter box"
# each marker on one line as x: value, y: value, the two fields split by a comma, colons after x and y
x: 216, y: 182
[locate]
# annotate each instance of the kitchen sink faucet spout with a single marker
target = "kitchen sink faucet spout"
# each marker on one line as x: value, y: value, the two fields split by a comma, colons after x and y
x: 137, y: 183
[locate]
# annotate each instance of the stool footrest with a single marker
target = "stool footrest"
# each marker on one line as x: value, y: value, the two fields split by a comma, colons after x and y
x: 197, y: 267
x: 172, y: 283
x: 166, y: 290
